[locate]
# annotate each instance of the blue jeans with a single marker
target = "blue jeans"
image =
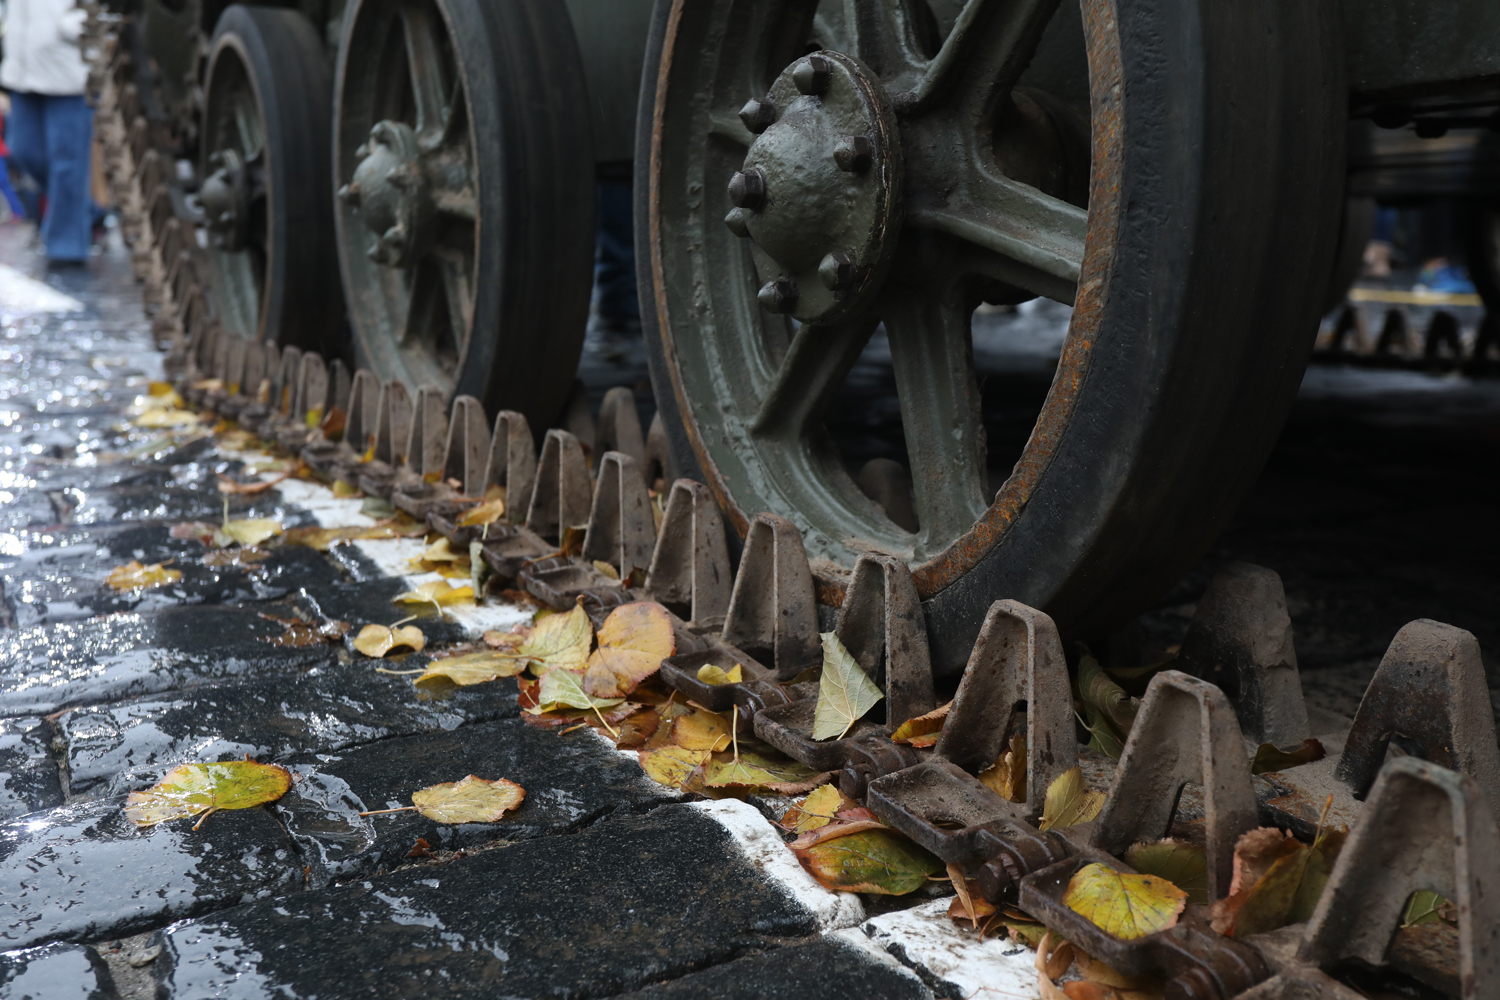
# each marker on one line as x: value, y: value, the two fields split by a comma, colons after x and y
x: 50, y: 140
x: 614, y: 254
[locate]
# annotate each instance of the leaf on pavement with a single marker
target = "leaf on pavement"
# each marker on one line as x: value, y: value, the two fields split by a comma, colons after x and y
x: 1183, y: 864
x: 247, y: 531
x: 561, y: 640
x: 1007, y: 776
x: 484, y: 513
x: 1126, y: 906
x: 875, y: 860
x: 472, y: 800
x: 1277, y: 880
x: 199, y: 531
x: 712, y: 674
x: 440, y: 551
x: 924, y: 730
x: 702, y: 730
x: 134, y: 576
x: 633, y: 641
x: 305, y: 633
x: 564, y: 689
x: 815, y: 811
x: 1070, y: 801
x: 845, y: 694
x: 378, y: 640
x: 1269, y: 757
x: 230, y: 486
x: 754, y: 771
x: 671, y: 765
x: 190, y: 789
x: 437, y: 592
x: 236, y: 558
x: 469, y: 668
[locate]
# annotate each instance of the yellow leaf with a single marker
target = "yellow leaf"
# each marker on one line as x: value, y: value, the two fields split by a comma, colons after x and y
x: 606, y: 569
x: 701, y: 730
x: 314, y: 417
x: 845, y: 694
x: 923, y: 731
x: 1069, y: 801
x: 869, y: 860
x: 471, y: 668
x: 1183, y: 864
x: 134, y: 576
x: 754, y: 771
x: 815, y: 811
x: 559, y: 640
x: 472, y: 800
x: 1007, y: 776
x: 247, y: 531
x: 438, y: 592
x: 163, y: 389
x: 190, y: 789
x: 343, y: 490
x: 671, y: 765
x: 485, y: 513
x: 441, y: 551
x: 166, y: 418
x: 565, y: 688
x: 710, y: 674
x: 378, y: 640
x: 1126, y: 906
x: 633, y: 641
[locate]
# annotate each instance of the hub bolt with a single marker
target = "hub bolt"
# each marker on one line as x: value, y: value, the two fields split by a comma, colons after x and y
x: 735, y: 220
x: 812, y: 74
x: 758, y: 115
x: 854, y: 153
x: 349, y: 194
x: 779, y: 296
x: 837, y: 272
x: 747, y: 188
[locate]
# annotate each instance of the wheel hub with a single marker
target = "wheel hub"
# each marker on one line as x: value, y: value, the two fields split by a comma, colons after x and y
x: 819, y: 192
x: 225, y: 197
x: 392, y: 194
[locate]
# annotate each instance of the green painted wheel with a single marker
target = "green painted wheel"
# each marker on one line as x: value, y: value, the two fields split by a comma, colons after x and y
x: 898, y: 164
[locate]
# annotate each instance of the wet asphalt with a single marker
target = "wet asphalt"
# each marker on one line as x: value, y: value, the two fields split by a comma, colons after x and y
x: 1379, y: 506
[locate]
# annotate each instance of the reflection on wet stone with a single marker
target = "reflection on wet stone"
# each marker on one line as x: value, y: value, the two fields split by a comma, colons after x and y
x: 827, y: 967
x: 28, y: 773
x: 54, y: 972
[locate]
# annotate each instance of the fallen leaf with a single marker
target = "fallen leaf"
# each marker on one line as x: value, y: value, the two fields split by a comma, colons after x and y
x: 1027, y: 933
x: 1127, y: 906
x: 1277, y: 880
x: 922, y: 731
x: 560, y: 641
x: 633, y: 641
x: 1269, y: 757
x: 962, y: 898
x: 437, y: 592
x: 969, y: 905
x: 1054, y: 956
x: 1098, y: 691
x: 815, y: 811
x: 671, y: 765
x: 194, y: 531
x: 606, y: 569
x: 870, y: 860
x: 166, y: 417
x: 510, y: 641
x: 344, y: 491
x: 247, y: 531
x: 134, y: 576
x: 487, y: 512
x: 190, y: 789
x: 845, y: 694
x: 637, y: 729
x: 421, y: 849
x: 440, y: 551
x: 711, y: 674
x: 469, y: 668
x: 702, y: 730
x: 332, y: 425
x: 233, y: 558
x: 1070, y: 801
x: 378, y: 640
x: 754, y: 771
x: 1184, y: 865
x: 1425, y: 907
x: 1102, y: 736
x: 1007, y: 776
x: 302, y: 634
x: 564, y: 688
x: 229, y: 486
x: 472, y: 800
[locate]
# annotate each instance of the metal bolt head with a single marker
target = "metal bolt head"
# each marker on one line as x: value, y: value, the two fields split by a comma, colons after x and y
x: 747, y: 188
x: 812, y: 74
x: 837, y: 271
x: 736, y: 222
x: 778, y: 296
x: 349, y: 194
x: 758, y: 115
x: 854, y: 153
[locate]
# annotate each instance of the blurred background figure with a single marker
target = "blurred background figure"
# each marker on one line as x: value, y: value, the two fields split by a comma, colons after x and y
x: 50, y: 127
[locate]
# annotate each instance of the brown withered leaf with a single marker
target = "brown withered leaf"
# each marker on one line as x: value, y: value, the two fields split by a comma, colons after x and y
x: 236, y: 558
x: 229, y: 486
x: 302, y: 634
x: 969, y: 905
x: 332, y: 424
x: 1276, y: 883
x: 134, y: 576
x: 421, y: 849
x: 633, y: 641
x: 924, y: 730
x: 1269, y: 757
x: 637, y: 729
x: 1007, y: 776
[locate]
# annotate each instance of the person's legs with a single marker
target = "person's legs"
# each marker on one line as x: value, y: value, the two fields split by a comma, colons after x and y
x: 26, y: 134
x: 614, y: 260
x: 68, y: 228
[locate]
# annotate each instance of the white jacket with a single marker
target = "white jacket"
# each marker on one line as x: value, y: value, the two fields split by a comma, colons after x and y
x: 42, y: 55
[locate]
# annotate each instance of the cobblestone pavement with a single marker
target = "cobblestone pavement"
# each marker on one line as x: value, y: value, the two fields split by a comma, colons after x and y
x: 1378, y: 507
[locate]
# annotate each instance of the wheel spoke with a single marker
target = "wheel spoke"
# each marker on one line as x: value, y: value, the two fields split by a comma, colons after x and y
x: 1028, y: 239
x: 880, y: 34
x: 247, y: 127
x: 424, y: 60
x: 985, y: 53
x: 940, y: 412
x: 815, y: 365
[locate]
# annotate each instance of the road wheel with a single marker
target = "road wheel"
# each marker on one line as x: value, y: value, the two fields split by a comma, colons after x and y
x: 899, y: 175
x: 466, y: 194
x: 266, y: 193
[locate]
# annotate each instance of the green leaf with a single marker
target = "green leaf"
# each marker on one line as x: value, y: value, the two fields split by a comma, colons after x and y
x: 1423, y: 908
x: 190, y: 789
x: 565, y: 687
x: 845, y: 694
x: 1184, y: 865
x: 878, y: 861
